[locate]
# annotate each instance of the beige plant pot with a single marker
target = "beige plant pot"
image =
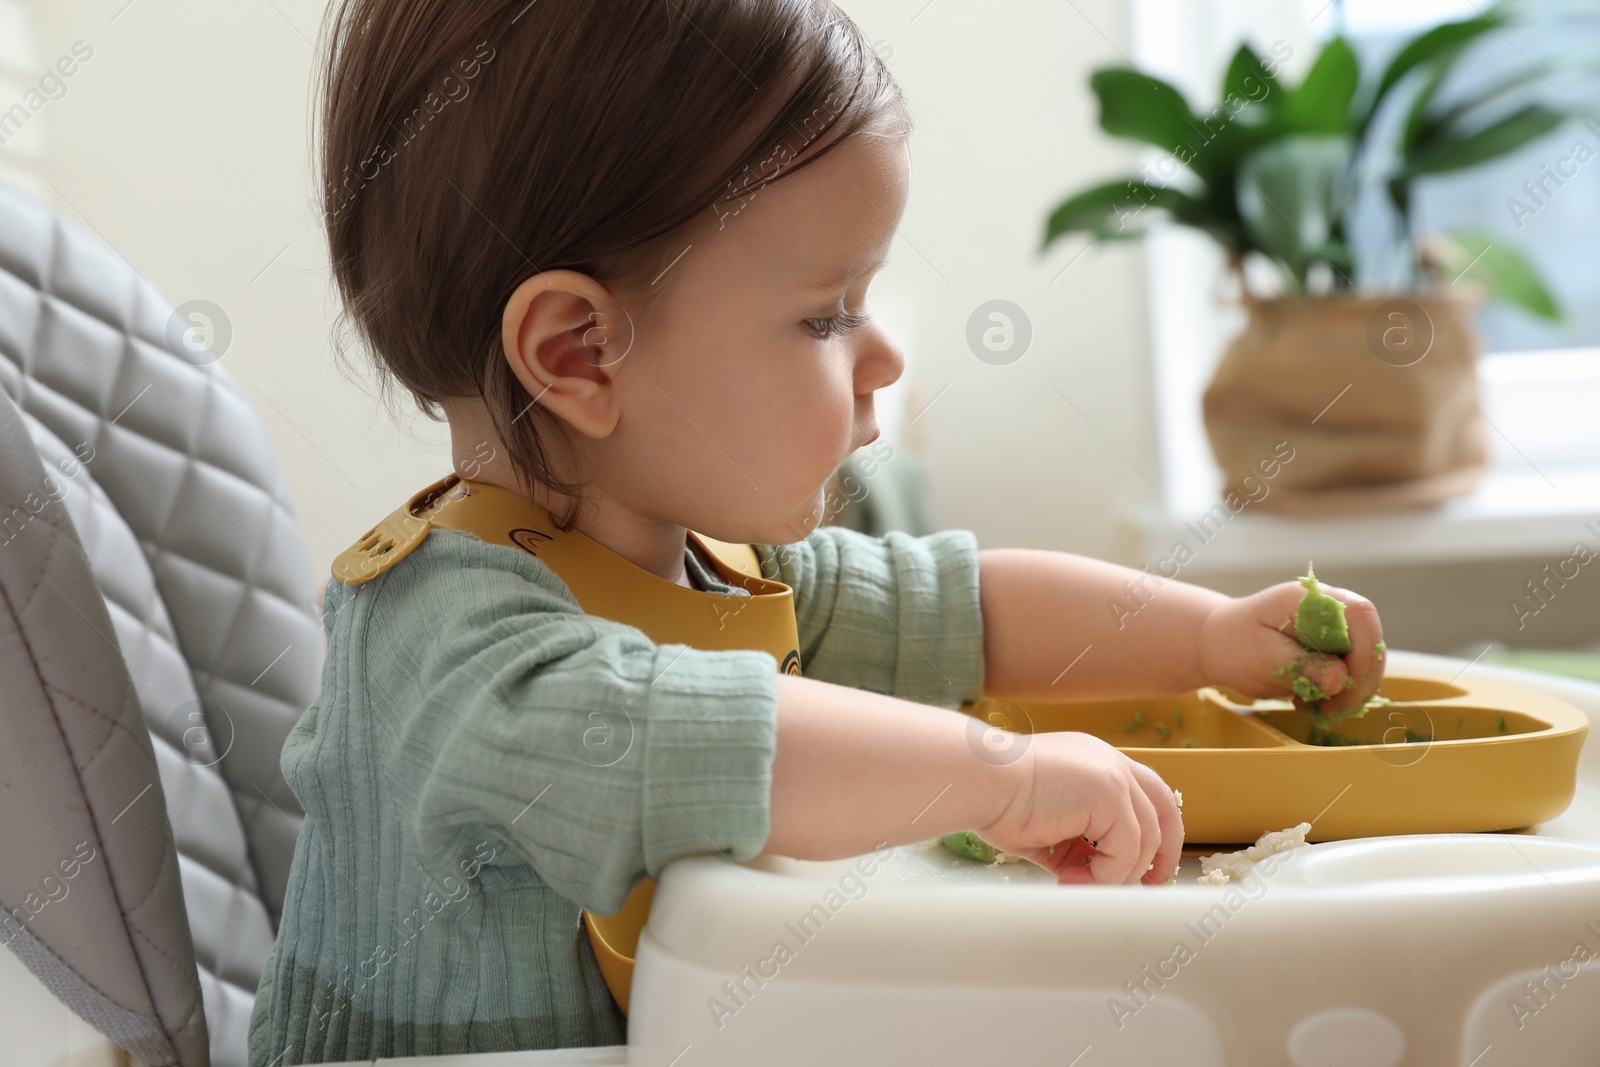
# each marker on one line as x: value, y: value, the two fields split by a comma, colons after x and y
x: 1336, y: 404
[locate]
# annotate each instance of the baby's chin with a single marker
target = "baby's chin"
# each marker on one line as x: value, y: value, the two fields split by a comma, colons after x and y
x: 783, y: 532
x: 795, y: 525
x: 817, y: 510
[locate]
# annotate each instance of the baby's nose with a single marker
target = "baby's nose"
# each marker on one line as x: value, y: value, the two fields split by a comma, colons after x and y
x: 882, y: 362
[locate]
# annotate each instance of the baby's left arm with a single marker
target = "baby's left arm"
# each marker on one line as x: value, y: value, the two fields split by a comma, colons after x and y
x: 1059, y: 626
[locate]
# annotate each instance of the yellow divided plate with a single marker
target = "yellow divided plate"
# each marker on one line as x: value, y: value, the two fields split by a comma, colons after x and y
x: 615, y: 939
x: 1443, y: 758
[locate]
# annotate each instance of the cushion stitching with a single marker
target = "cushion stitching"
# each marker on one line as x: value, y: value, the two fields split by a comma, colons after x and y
x: 94, y: 820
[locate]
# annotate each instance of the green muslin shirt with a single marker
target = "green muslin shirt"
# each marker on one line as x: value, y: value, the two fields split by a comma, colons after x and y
x: 484, y: 760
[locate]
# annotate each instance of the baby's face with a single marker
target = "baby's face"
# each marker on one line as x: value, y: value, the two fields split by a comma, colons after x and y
x: 735, y: 401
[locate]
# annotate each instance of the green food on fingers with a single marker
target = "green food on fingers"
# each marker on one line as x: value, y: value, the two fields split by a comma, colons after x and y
x: 970, y: 846
x: 1319, y: 623
x: 1320, y: 626
x: 1303, y: 686
x: 1309, y: 691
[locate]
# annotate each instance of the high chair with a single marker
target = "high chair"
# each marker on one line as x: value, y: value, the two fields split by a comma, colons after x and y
x: 162, y: 639
x: 161, y: 642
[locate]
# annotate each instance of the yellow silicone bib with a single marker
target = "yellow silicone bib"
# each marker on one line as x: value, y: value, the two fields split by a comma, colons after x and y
x: 608, y: 585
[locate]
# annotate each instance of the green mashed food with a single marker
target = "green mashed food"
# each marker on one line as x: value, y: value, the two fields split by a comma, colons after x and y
x: 1302, y: 685
x: 1319, y: 623
x: 969, y: 845
x: 1320, y: 626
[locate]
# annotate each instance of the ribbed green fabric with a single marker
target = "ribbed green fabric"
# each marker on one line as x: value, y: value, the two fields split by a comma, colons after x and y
x: 484, y: 759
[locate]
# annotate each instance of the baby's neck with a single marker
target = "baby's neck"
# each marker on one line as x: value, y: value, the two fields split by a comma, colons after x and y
x: 478, y: 456
x: 656, y: 546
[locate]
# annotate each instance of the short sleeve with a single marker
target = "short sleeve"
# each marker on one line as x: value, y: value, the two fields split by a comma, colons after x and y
x: 894, y: 614
x: 596, y: 754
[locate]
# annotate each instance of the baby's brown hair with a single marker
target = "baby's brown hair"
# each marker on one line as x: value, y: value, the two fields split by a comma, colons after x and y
x: 470, y: 144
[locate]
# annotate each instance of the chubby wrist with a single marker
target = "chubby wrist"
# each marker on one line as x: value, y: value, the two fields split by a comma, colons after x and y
x: 1213, y: 627
x: 1010, y: 786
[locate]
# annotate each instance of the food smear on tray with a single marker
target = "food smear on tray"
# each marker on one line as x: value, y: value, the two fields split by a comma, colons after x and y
x: 1219, y: 868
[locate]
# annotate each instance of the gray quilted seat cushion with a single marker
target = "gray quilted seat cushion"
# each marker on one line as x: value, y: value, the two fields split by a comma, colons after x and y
x: 160, y: 469
x: 90, y: 883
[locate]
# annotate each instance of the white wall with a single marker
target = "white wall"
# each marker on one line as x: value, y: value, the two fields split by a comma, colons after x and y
x: 185, y: 142
x: 1005, y: 128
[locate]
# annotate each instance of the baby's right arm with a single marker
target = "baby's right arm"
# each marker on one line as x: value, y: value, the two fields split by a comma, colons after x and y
x: 856, y: 770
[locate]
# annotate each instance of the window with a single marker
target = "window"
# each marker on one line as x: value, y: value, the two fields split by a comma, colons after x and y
x: 22, y: 129
x: 1541, y: 382
x: 1544, y: 198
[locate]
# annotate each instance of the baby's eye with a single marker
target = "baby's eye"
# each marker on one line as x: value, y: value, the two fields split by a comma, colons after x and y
x: 843, y: 322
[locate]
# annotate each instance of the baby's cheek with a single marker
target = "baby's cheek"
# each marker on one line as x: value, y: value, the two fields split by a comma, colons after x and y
x: 820, y: 443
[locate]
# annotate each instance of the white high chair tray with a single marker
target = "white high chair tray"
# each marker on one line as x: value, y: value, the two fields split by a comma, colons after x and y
x: 1383, y: 952
x: 1460, y: 949
x: 1467, y: 950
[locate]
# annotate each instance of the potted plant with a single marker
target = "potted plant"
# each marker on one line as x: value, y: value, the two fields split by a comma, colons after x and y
x: 1376, y: 391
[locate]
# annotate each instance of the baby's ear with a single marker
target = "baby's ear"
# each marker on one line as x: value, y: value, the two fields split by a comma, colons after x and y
x: 565, y: 335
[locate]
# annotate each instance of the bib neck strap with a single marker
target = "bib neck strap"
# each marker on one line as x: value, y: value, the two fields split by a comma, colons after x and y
x: 609, y: 585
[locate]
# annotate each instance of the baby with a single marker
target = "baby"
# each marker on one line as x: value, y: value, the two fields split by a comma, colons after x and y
x: 625, y: 249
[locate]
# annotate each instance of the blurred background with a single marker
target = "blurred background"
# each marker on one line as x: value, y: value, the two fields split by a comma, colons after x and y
x: 183, y: 134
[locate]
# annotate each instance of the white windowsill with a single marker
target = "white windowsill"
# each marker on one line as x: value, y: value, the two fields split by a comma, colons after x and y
x: 1511, y: 514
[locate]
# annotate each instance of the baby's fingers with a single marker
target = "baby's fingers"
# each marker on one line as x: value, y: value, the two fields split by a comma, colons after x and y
x: 1119, y: 846
x: 1171, y: 825
x: 1069, y: 862
x: 1149, y: 834
x: 1327, y: 672
x: 1362, y: 665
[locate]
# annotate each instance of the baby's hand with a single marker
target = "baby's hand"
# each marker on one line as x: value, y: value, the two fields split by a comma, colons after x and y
x: 1088, y: 813
x: 1249, y: 644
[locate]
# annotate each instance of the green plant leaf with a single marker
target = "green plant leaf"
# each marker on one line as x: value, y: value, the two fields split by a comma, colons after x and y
x: 1322, y: 103
x: 1245, y: 73
x: 1416, y: 126
x: 1227, y: 135
x: 1446, y: 152
x: 1338, y: 255
x: 1490, y: 95
x: 1142, y: 108
x: 1275, y: 169
x: 1490, y: 260
x: 1117, y: 211
x: 1291, y: 196
x: 1450, y: 37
